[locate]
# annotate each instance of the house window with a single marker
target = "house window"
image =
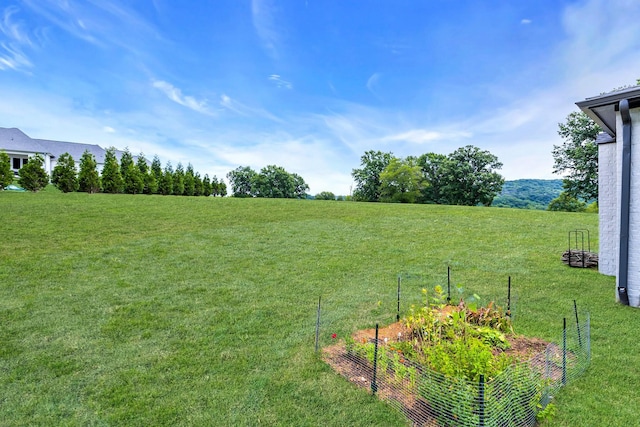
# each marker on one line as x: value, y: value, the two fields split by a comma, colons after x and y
x: 18, y: 162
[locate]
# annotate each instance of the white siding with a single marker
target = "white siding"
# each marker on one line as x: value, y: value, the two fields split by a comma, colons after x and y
x: 607, y: 208
x: 634, y: 206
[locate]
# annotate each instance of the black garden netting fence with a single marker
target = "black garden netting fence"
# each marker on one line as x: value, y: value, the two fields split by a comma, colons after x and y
x: 374, y: 360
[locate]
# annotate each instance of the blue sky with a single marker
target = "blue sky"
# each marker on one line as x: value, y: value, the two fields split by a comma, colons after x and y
x: 311, y: 85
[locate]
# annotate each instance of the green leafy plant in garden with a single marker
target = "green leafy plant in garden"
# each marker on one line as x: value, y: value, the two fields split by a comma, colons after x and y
x: 461, y: 345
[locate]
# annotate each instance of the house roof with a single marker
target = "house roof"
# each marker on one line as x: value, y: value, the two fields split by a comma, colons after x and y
x: 76, y: 149
x: 12, y: 139
x: 602, y: 108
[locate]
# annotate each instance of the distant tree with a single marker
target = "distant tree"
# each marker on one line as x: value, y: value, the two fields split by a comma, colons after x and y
x: 165, y: 186
x: 470, y: 177
x: 189, y: 181
x: 577, y: 157
x: 566, y: 202
x: 273, y: 182
x: 150, y: 185
x: 222, y: 188
x: 241, y: 180
x: 111, y: 177
x: 300, y: 187
x: 178, y: 180
x: 368, y: 176
x: 206, y: 186
x: 198, y: 187
x: 401, y: 181
x: 6, y: 174
x: 133, y: 182
x: 88, y: 177
x: 432, y: 167
x: 325, y: 195
x: 156, y: 170
x: 33, y: 177
x: 215, y: 186
x: 64, y: 174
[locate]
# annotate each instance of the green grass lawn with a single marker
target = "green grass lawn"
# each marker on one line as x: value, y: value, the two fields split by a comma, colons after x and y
x: 150, y: 310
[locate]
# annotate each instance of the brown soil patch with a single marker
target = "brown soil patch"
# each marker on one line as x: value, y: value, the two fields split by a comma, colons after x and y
x: 414, y: 407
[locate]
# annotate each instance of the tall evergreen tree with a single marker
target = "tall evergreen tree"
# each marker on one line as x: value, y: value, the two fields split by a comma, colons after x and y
x: 156, y: 170
x: 150, y: 185
x: 222, y: 188
x: 215, y: 186
x: 131, y: 177
x: 88, y: 178
x: 6, y: 174
x: 206, y: 185
x: 189, y: 181
x: 111, y: 177
x: 178, y: 180
x: 33, y: 177
x: 64, y: 175
x: 197, y: 185
x: 165, y: 187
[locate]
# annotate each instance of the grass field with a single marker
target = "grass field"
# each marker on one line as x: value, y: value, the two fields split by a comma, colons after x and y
x: 150, y: 310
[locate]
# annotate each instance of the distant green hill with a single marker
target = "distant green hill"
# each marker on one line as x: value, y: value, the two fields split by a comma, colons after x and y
x: 528, y: 193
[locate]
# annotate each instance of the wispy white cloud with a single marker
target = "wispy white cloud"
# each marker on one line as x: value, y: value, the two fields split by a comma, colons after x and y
x: 14, y: 30
x: 423, y: 136
x: 16, y: 38
x: 99, y: 23
x: 280, y: 82
x: 601, y: 34
x: 175, y: 94
x: 372, y: 82
x: 526, y: 21
x: 12, y: 58
x: 244, y: 110
x: 263, y: 13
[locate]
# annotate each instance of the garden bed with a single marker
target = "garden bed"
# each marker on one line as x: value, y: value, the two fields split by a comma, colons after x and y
x: 456, y: 365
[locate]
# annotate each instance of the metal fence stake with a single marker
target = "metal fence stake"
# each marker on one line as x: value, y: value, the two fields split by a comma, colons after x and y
x: 398, y: 314
x: 509, y: 299
x: 481, y: 401
x: 374, y: 384
x: 318, y: 324
x: 575, y: 309
x: 564, y: 352
x: 448, y: 284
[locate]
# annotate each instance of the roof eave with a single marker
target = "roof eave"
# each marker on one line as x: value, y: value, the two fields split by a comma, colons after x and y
x: 601, y: 109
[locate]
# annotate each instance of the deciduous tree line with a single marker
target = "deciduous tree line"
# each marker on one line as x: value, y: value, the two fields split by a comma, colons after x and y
x: 126, y: 176
x: 465, y: 177
x: 272, y: 182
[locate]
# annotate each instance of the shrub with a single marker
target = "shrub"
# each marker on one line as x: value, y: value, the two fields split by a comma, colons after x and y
x: 33, y: 177
x: 6, y: 174
x: 64, y: 174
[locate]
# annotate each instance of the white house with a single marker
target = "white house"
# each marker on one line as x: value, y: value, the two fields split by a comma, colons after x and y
x: 20, y: 147
x: 618, y: 113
